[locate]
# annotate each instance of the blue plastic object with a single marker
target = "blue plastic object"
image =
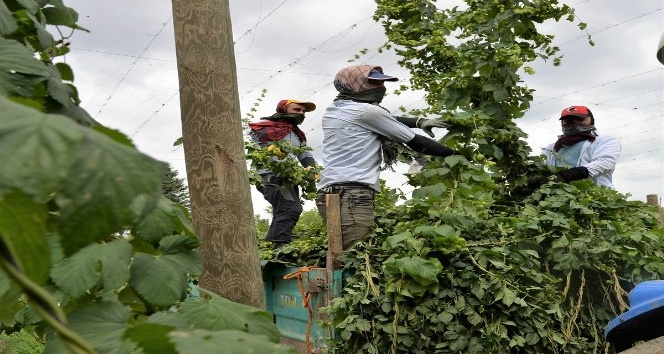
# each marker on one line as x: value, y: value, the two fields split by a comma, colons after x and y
x: 643, y: 321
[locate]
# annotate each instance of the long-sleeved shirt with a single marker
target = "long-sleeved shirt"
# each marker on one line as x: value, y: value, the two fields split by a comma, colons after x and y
x: 599, y: 157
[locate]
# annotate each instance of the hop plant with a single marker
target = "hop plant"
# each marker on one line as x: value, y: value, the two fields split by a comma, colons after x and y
x: 280, y: 158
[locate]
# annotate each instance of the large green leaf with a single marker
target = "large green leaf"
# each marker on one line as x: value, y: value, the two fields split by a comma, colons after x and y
x: 12, y: 83
x: 31, y: 141
x: 162, y: 280
x: 60, y: 91
x: 31, y: 5
x: 166, y: 219
x: 227, y: 342
x: 66, y: 73
x: 106, y: 180
x: 95, y: 180
x: 78, y: 114
x: 424, y: 271
x: 170, y: 319
x: 114, y: 134
x: 7, y: 22
x: 106, y: 264
x: 60, y: 15
x: 9, y: 304
x: 429, y: 191
x: 5, y: 283
x: 16, y: 57
x: 22, y: 232
x: 102, y: 325
x: 216, y: 313
x: 178, y: 244
x: 45, y: 38
x: 152, y: 338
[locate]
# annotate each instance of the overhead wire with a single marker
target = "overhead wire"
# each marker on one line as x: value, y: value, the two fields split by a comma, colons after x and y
x: 610, y: 26
x: 123, y: 55
x: 133, y: 64
x: 326, y: 42
x: 321, y: 87
x: 596, y: 86
x: 259, y: 21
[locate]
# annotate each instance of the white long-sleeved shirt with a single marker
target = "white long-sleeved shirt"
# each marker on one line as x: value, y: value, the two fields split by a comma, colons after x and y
x: 599, y: 157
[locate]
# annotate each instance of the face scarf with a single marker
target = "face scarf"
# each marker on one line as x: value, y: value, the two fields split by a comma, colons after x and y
x: 573, y: 134
x: 370, y: 96
x: 293, y: 119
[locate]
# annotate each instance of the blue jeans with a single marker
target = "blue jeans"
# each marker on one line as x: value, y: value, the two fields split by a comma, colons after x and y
x: 357, y: 210
x: 286, y: 209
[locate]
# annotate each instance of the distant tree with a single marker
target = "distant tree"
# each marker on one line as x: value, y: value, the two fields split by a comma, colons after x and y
x: 262, y: 224
x: 309, y: 225
x: 174, y: 188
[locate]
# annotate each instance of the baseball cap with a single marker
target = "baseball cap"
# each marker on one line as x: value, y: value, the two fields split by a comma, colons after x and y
x: 577, y: 111
x: 377, y: 74
x: 281, y: 106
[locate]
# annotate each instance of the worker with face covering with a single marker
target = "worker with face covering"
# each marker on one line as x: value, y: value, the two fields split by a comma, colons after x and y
x: 581, y: 151
x: 283, y: 126
x: 359, y: 135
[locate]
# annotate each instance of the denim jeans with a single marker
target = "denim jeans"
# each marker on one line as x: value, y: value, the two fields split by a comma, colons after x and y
x: 286, y: 210
x: 357, y: 211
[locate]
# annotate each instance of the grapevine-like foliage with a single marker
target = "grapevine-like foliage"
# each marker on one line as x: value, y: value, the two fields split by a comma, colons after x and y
x: 280, y: 159
x: 473, y: 263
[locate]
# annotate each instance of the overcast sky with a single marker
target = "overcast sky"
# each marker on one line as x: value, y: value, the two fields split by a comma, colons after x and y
x: 126, y: 73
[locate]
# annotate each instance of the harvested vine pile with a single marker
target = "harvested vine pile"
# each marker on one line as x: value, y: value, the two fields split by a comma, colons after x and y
x: 458, y: 269
x: 476, y: 261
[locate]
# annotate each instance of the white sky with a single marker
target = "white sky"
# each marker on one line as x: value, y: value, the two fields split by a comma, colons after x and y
x: 126, y: 73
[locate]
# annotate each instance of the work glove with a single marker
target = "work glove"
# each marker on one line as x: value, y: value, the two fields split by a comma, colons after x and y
x: 428, y: 124
x: 568, y: 175
x: 573, y: 174
x: 538, y: 181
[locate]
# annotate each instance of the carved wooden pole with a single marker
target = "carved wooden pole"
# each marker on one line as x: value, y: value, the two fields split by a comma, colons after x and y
x: 219, y: 188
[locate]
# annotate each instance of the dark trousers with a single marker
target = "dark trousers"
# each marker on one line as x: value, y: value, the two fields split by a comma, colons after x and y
x: 286, y: 210
x: 357, y: 211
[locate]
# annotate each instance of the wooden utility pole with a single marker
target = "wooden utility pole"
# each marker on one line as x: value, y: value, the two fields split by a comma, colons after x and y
x: 214, y: 151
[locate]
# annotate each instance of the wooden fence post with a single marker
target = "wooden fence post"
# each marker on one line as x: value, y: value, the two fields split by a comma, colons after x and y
x: 334, y: 243
x: 653, y: 199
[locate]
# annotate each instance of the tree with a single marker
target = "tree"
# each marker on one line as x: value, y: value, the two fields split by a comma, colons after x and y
x: 262, y: 225
x: 174, y: 189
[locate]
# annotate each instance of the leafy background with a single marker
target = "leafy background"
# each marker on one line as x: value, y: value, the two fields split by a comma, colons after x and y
x: 94, y: 257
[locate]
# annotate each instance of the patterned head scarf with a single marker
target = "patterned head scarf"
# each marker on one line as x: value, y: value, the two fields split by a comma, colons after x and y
x: 356, y: 79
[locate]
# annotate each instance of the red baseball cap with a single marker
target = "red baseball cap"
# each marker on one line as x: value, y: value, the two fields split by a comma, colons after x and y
x: 281, y: 106
x: 577, y: 111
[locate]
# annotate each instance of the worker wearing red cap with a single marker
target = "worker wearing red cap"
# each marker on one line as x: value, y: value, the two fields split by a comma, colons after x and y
x: 581, y: 151
x: 283, y: 126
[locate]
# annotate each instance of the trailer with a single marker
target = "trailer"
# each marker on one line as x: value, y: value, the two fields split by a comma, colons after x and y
x: 296, y: 295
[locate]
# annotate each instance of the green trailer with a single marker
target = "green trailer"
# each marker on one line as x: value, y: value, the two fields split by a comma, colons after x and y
x: 295, y: 295
x: 297, y: 311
